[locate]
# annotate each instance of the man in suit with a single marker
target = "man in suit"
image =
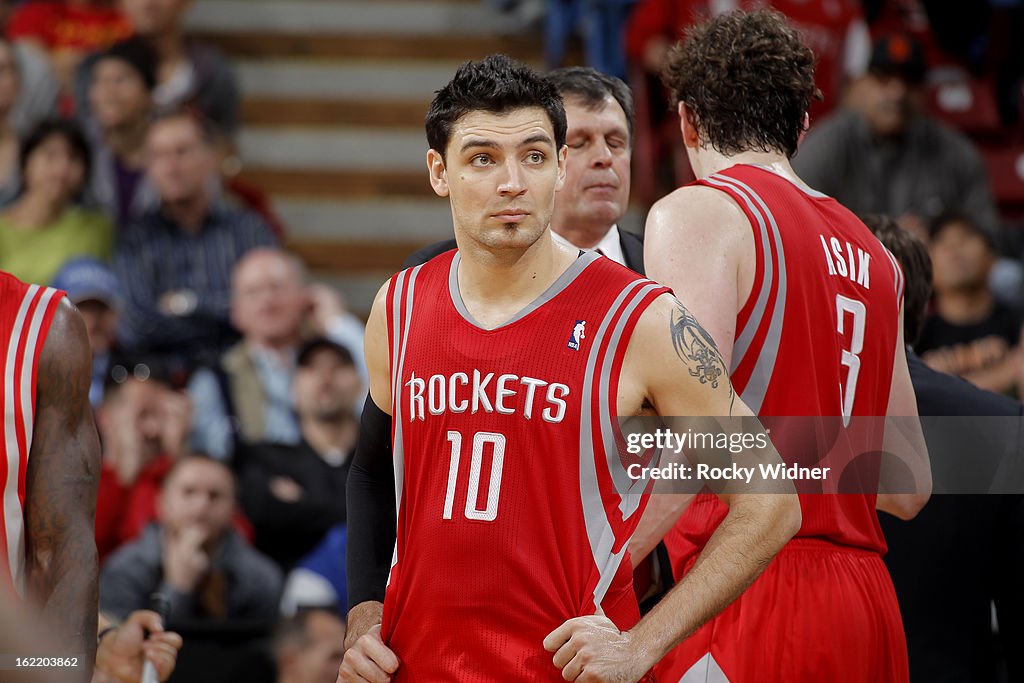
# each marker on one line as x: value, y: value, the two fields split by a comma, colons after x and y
x: 962, y: 553
x: 599, y: 111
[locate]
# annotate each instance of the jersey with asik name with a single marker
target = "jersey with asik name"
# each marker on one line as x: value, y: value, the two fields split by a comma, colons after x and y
x: 26, y: 312
x: 514, y: 508
x: 816, y: 337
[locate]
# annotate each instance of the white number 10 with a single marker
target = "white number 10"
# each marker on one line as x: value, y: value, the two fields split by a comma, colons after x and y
x: 490, y: 511
x: 850, y: 358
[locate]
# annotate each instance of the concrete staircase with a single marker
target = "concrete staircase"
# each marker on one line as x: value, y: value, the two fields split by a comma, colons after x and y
x: 334, y: 97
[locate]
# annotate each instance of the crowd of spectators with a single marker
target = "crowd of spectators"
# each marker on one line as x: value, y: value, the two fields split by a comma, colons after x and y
x: 227, y: 386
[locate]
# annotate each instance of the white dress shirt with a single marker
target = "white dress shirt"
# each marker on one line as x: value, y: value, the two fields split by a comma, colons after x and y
x: 610, y: 245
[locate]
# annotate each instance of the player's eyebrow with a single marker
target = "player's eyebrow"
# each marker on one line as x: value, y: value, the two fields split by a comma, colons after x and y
x: 541, y: 138
x: 478, y: 142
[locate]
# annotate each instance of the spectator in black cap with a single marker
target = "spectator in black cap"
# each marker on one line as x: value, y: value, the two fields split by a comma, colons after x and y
x: 883, y: 154
x: 293, y: 494
x: 121, y: 101
x: 92, y: 286
x: 969, y: 333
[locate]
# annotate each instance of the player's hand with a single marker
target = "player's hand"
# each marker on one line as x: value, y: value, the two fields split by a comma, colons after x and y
x: 121, y: 654
x: 593, y: 650
x: 369, y: 659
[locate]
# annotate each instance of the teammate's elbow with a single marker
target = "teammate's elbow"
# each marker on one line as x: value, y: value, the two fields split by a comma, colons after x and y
x: 790, y: 517
x: 903, y: 506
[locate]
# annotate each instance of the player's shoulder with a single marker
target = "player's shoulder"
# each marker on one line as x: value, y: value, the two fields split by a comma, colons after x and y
x: 693, y: 208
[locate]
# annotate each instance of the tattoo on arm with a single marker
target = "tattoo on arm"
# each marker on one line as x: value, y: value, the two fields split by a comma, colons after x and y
x: 698, y: 351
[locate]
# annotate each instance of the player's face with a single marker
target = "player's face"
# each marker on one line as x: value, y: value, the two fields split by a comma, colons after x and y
x: 596, y: 189
x: 500, y: 173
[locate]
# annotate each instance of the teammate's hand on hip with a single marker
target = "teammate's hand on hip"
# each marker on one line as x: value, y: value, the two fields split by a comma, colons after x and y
x: 369, y: 659
x: 593, y: 650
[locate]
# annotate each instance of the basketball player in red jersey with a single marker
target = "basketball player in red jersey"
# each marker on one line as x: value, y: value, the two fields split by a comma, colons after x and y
x: 50, y: 466
x: 805, y: 306
x: 503, y: 365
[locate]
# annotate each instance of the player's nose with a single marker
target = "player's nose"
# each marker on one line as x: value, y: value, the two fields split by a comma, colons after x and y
x: 513, y: 182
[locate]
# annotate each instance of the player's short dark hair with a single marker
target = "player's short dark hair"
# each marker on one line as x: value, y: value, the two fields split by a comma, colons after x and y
x: 593, y: 88
x: 913, y: 258
x: 497, y: 85
x: 747, y: 80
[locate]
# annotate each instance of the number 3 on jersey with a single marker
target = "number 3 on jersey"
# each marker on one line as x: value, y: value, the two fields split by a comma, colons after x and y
x: 480, y: 439
x: 850, y: 358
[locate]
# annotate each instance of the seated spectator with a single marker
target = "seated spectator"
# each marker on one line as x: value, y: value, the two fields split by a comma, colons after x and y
x: 175, y: 262
x: 143, y: 426
x: 957, y: 547
x: 192, y: 556
x: 969, y: 333
x: 248, y: 396
x: 10, y: 86
x: 45, y: 227
x: 293, y: 494
x: 93, y: 288
x: 309, y: 646
x: 188, y: 72
x: 68, y: 30
x: 120, y: 94
x: 887, y: 156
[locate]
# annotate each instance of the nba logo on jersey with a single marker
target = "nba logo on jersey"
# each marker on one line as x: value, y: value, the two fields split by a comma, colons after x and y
x: 577, y: 335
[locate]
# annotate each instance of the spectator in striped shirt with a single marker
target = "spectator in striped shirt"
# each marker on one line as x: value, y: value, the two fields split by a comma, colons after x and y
x: 175, y: 262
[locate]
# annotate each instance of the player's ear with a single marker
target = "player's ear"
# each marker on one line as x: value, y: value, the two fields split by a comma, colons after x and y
x: 687, y: 127
x: 562, y: 155
x: 438, y: 173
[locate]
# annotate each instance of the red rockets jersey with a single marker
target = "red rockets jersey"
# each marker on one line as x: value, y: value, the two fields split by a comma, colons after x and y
x: 26, y: 312
x: 514, y: 508
x: 816, y: 337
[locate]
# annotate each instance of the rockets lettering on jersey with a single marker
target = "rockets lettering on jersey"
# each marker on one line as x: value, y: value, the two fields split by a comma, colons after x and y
x: 475, y: 392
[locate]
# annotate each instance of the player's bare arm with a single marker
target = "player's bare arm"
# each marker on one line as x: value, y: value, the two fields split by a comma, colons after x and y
x: 717, y: 267
x: 61, y: 485
x: 714, y: 271
x: 905, y: 440
x: 366, y: 656
x: 691, y: 381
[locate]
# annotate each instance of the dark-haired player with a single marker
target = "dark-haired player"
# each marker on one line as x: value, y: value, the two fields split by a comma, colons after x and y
x: 49, y: 466
x: 502, y: 366
x: 805, y: 305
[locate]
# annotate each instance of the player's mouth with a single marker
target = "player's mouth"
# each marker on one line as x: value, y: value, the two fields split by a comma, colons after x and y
x: 511, y: 215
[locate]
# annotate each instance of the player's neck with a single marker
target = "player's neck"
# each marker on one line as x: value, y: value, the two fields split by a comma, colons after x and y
x: 495, y: 285
x: 708, y: 161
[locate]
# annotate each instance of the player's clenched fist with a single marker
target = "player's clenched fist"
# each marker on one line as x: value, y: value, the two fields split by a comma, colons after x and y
x: 593, y: 650
x: 369, y: 659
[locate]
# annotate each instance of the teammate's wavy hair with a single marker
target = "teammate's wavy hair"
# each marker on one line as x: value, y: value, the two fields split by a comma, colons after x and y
x: 747, y: 79
x: 498, y: 85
